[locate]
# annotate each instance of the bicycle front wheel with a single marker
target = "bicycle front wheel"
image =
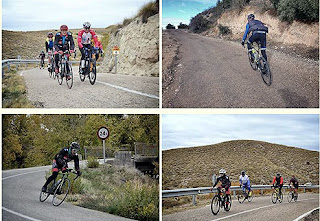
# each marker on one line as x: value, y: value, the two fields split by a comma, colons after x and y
x: 93, y: 72
x: 60, y: 75
x: 289, y: 197
x: 215, y: 205
x: 252, y: 62
x: 274, y: 197
x: 61, y: 192
x: 265, y: 71
x: 281, y: 198
x: 295, y: 197
x: 69, y: 77
x: 241, y: 198
x: 44, y: 196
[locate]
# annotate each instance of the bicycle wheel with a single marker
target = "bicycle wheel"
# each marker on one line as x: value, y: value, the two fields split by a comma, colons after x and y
x: 215, y: 205
x: 253, y: 64
x: 228, y: 202
x: 82, y: 76
x: 241, y: 198
x: 93, y: 72
x: 250, y: 196
x: 265, y: 71
x: 69, y: 77
x: 60, y: 74
x: 295, y: 197
x: 274, y: 197
x: 61, y: 192
x: 290, y: 196
x: 43, y: 196
x: 281, y: 197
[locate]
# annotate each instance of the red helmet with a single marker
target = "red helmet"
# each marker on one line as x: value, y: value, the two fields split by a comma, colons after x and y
x: 63, y: 27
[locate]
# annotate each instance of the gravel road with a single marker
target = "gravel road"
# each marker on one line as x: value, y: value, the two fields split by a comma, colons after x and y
x: 214, y: 73
x: 20, y: 200
x: 109, y: 91
x: 261, y: 208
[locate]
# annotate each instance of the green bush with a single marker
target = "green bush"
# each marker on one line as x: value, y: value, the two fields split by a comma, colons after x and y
x: 148, y: 10
x: 198, y: 24
x: 93, y: 162
x: 182, y: 26
x: 301, y: 10
x: 170, y: 26
x: 224, y: 30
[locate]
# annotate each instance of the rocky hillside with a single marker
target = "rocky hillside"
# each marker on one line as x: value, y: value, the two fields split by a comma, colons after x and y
x: 193, y: 167
x: 139, y: 48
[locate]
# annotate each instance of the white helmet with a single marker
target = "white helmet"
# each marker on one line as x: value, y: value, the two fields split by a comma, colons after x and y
x: 222, y: 171
x: 86, y: 25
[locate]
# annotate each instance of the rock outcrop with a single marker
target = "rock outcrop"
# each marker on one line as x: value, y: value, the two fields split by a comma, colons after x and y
x: 139, y: 48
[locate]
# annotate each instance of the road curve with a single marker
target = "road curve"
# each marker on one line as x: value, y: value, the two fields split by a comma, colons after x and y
x: 261, y: 208
x: 109, y: 91
x: 214, y: 73
x: 20, y: 200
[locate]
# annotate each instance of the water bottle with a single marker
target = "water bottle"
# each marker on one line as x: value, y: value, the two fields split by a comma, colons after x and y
x: 82, y: 63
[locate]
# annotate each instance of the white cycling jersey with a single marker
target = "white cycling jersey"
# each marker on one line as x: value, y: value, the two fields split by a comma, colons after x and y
x: 243, y: 179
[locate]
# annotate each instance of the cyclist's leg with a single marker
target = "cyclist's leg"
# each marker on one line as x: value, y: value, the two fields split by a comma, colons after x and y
x: 252, y: 39
x: 263, y: 41
x: 56, y: 59
x: 55, y: 171
x: 280, y: 187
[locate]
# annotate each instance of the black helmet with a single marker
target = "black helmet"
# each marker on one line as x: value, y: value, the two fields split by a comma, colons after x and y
x: 243, y: 172
x: 278, y: 175
x: 75, y: 145
x: 251, y: 16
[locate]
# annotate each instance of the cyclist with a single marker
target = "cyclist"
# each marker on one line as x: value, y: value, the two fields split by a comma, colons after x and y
x: 42, y: 55
x: 84, y: 41
x: 49, y: 46
x: 99, y: 46
x: 225, y: 183
x: 278, y: 182
x: 60, y: 162
x: 259, y: 34
x: 245, y: 183
x: 63, y: 41
x: 295, y: 183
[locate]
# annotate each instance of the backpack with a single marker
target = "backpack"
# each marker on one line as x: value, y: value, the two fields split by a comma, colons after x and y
x: 256, y: 25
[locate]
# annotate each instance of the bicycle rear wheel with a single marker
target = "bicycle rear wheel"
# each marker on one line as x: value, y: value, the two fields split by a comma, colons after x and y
x: 93, y: 72
x: 295, y: 197
x: 281, y: 198
x: 82, y: 75
x: 265, y: 71
x: 250, y: 196
x: 253, y: 64
x: 215, y: 205
x: 61, y: 192
x: 69, y: 77
x: 241, y: 198
x: 289, y: 197
x: 274, y: 197
x: 228, y: 202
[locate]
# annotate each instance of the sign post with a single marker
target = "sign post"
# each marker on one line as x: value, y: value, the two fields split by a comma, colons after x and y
x: 115, y: 52
x: 103, y: 134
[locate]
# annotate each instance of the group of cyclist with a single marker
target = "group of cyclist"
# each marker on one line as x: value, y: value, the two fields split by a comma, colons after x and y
x: 244, y: 182
x: 63, y: 41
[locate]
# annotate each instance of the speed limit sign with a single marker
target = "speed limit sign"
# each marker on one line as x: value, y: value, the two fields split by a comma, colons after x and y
x: 103, y: 133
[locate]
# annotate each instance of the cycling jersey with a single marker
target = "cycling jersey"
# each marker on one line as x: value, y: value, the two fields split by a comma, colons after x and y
x: 243, y: 179
x: 49, y: 44
x: 295, y: 182
x: 85, y: 38
x: 225, y: 182
x: 278, y: 180
x: 65, y: 156
x: 254, y: 26
x: 63, y: 42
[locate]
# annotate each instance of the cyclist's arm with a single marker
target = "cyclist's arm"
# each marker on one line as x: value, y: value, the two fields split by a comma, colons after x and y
x: 274, y: 180
x: 246, y: 33
x: 95, y: 38
x: 76, y: 162
x: 281, y: 180
x: 71, y: 42
x: 216, y: 182
x: 55, y: 43
x: 47, y: 46
x: 79, y: 39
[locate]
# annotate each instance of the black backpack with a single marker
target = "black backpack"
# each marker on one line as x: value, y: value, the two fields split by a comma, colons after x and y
x: 256, y: 25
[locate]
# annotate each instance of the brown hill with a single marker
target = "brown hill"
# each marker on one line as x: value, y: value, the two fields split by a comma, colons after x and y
x: 194, y: 166
x: 29, y: 44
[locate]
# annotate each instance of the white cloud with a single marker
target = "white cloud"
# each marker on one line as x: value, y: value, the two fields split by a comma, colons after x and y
x: 182, y: 11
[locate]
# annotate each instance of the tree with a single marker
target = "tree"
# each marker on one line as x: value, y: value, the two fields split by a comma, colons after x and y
x: 170, y: 26
x: 182, y: 26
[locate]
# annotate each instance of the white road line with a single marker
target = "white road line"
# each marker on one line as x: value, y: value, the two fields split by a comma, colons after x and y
x: 19, y: 214
x: 21, y: 174
x: 236, y: 214
x: 306, y: 214
x: 129, y: 90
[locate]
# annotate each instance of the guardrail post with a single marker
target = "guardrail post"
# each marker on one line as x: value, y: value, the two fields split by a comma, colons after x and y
x: 194, y: 200
x: 9, y: 67
x: 261, y: 192
x: 234, y: 194
x: 304, y: 190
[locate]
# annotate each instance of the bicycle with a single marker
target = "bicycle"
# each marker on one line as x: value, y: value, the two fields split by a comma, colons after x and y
x: 242, y: 197
x: 258, y: 62
x: 41, y: 65
x: 65, y: 69
x: 220, y: 200
x: 59, y: 189
x: 52, y: 65
x: 276, y: 195
x: 292, y: 195
x: 90, y: 68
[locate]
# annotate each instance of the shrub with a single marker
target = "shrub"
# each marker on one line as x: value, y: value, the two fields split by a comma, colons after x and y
x: 127, y: 21
x: 148, y: 10
x: 224, y: 30
x: 198, y: 24
x: 302, y: 10
x: 105, y: 40
x: 170, y: 26
x: 182, y: 26
x: 93, y: 162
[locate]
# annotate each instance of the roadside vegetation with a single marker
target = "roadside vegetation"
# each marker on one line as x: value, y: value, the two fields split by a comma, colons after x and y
x: 14, y: 91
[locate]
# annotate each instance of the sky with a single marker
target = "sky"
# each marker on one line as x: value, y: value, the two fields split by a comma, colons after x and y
x: 32, y: 15
x: 176, y: 11
x: 197, y: 130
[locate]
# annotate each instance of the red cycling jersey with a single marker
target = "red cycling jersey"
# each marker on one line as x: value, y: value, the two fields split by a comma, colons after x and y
x: 278, y: 180
x: 85, y: 38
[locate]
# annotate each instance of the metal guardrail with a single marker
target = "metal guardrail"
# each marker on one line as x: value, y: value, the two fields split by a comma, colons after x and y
x: 205, y: 190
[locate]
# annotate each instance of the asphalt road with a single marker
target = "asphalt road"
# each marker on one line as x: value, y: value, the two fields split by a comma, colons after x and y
x: 214, y: 73
x: 20, y: 200
x: 261, y: 208
x: 109, y: 91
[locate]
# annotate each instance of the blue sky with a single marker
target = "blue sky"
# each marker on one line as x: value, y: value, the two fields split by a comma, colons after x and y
x: 176, y: 11
x: 196, y: 130
x: 31, y: 15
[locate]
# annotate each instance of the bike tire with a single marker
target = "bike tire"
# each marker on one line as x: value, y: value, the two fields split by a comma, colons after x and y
x: 253, y: 64
x: 250, y: 198
x: 60, y: 74
x: 241, y: 198
x: 70, y: 76
x: 274, y: 197
x: 228, y: 203
x: 289, y: 197
x: 43, y: 196
x: 265, y: 72
x: 281, y: 198
x: 64, y: 188
x: 93, y: 72
x: 215, y: 205
x: 82, y: 76
x: 295, y: 197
